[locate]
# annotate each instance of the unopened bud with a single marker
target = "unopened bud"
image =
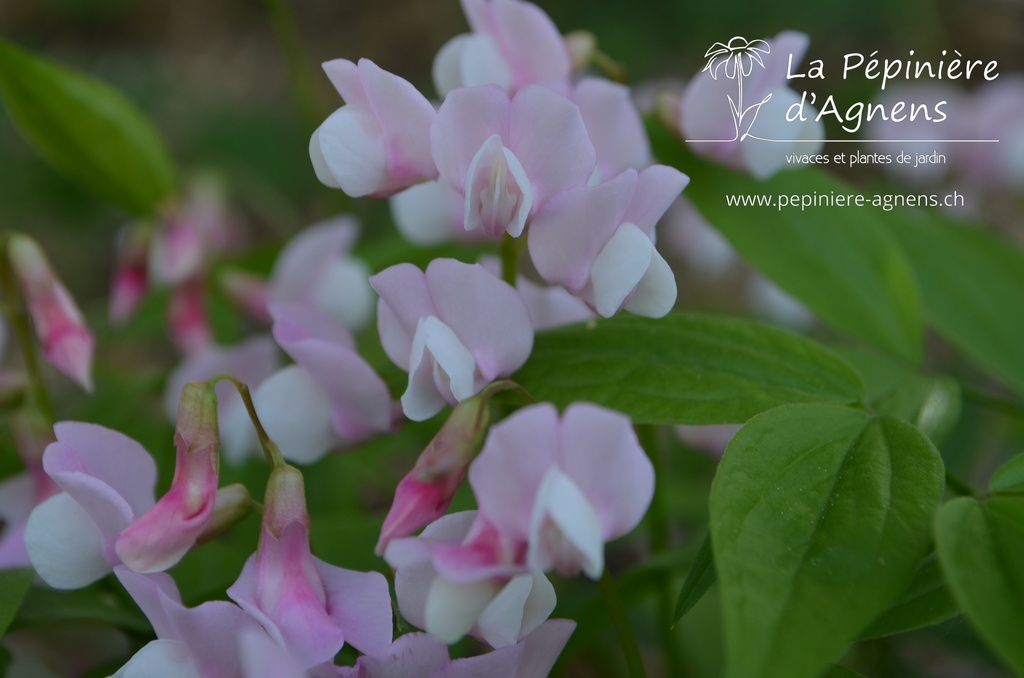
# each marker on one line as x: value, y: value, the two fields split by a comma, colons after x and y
x: 248, y: 292
x: 285, y: 500
x: 581, y: 46
x: 131, y: 272
x: 424, y: 494
x: 186, y: 317
x: 232, y: 505
x: 66, y: 342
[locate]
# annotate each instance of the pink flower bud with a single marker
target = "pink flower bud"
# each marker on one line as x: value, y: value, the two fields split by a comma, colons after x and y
x: 424, y: 494
x: 186, y: 317
x: 248, y: 291
x: 131, y: 274
x: 66, y: 341
x: 162, y: 535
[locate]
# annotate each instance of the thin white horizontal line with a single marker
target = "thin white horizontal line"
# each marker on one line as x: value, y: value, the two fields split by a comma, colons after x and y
x: 850, y: 141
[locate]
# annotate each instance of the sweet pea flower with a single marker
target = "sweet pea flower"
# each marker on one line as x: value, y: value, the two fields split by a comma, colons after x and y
x: 315, y: 269
x: 507, y: 157
x: 420, y: 654
x: 549, y: 306
x: 378, y: 142
x: 705, y: 112
x: 331, y: 398
x: 187, y: 321
x: 454, y: 328
x: 22, y: 492
x: 563, y: 485
x: 598, y: 242
x: 309, y: 607
x: 462, y: 575
x: 196, y: 642
x: 160, y: 537
x: 66, y: 341
x: 512, y: 44
x: 107, y: 481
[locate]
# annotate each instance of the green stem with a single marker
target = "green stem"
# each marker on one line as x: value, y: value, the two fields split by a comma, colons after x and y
x: 299, y: 73
x: 16, y: 313
x: 993, y: 403
x: 617, y: 612
x: 270, y: 448
x: 658, y: 524
x: 510, y: 249
x: 612, y: 68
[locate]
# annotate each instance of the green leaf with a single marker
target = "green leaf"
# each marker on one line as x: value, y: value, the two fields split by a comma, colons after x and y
x: 841, y: 262
x: 930, y: 402
x: 14, y: 585
x: 86, y: 130
x: 819, y: 517
x: 836, y: 671
x: 685, y: 369
x: 93, y: 604
x: 926, y: 602
x: 1009, y: 477
x: 698, y: 580
x: 972, y: 283
x: 981, y: 548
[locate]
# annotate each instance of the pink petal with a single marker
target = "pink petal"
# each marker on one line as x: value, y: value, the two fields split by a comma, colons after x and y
x: 614, y: 126
x: 404, y: 299
x: 531, y: 42
x: 466, y: 119
x: 657, y: 187
x: 547, y: 134
x: 304, y: 261
x: 360, y: 603
x: 414, y: 654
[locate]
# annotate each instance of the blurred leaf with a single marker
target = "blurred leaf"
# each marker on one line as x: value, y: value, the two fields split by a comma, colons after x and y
x: 836, y: 671
x: 842, y: 263
x: 1010, y: 477
x: 48, y: 606
x: 819, y: 516
x: 927, y: 601
x: 981, y: 548
x: 86, y: 130
x: 685, y: 369
x: 698, y: 580
x: 14, y: 585
x: 930, y: 402
x: 972, y: 283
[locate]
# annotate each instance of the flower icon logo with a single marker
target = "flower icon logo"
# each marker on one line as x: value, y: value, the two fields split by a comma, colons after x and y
x: 737, y: 59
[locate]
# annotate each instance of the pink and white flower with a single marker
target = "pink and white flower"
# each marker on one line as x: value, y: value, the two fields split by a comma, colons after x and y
x: 377, y: 143
x: 512, y: 44
x: 507, y: 157
x: 563, y: 485
x: 309, y: 607
x: 598, y: 242
x: 614, y: 126
x: 454, y: 328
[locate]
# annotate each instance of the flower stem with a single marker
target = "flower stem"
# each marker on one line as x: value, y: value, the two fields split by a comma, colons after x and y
x: 304, y: 90
x: 39, y: 398
x: 510, y: 249
x: 270, y: 448
x: 617, y: 612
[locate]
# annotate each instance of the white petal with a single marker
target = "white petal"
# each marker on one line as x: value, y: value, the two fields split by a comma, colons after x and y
x: 295, y: 414
x: 501, y: 622
x: 435, y: 346
x: 539, y: 605
x: 499, y: 196
x: 445, y: 70
x: 316, y: 155
x: 565, y: 531
x: 160, y: 659
x: 427, y: 213
x: 64, y: 544
x: 453, y: 607
x: 619, y: 268
x: 656, y: 292
x: 345, y: 293
x: 481, y: 63
x: 353, y: 153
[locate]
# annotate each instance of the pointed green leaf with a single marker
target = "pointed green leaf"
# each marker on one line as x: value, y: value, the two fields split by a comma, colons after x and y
x: 926, y: 602
x: 14, y: 585
x: 685, y: 369
x: 86, y: 130
x: 819, y: 517
x: 981, y: 549
x: 841, y: 262
x: 972, y: 283
x: 698, y: 580
x: 1009, y: 477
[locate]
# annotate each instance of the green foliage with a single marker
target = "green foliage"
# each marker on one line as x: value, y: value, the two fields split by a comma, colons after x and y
x: 698, y: 580
x: 685, y: 369
x: 14, y: 585
x: 972, y: 283
x: 842, y: 263
x: 819, y: 516
x: 927, y: 601
x: 1009, y: 478
x: 86, y: 130
x: 981, y: 548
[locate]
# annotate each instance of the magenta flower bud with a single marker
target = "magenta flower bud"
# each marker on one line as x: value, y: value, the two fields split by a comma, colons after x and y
x: 66, y: 341
x: 186, y: 317
x: 161, y: 536
x: 424, y: 494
